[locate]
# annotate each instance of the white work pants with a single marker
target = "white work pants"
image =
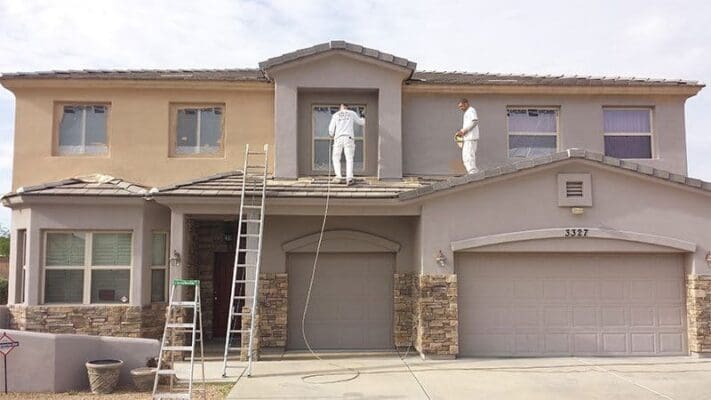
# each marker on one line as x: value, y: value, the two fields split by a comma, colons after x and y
x: 340, y: 145
x: 469, y: 155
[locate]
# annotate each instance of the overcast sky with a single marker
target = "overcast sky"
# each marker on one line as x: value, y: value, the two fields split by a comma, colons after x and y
x: 660, y: 39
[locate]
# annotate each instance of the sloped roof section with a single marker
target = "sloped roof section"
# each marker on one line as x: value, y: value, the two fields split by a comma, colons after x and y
x: 486, y: 79
x: 337, y: 45
x: 228, y: 75
x: 90, y: 185
x: 513, y: 168
x: 230, y: 185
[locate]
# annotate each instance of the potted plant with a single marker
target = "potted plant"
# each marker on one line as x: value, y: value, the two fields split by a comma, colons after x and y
x: 103, y: 375
x: 143, y: 377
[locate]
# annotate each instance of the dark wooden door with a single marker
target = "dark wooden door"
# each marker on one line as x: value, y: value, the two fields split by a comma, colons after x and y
x: 222, y: 283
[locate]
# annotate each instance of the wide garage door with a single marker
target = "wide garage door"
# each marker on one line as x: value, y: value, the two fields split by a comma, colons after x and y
x: 571, y: 304
x: 351, y: 303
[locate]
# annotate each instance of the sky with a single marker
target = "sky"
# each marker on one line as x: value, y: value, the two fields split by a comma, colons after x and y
x: 657, y: 39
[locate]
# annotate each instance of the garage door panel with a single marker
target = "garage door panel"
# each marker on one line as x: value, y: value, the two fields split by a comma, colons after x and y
x: 571, y: 304
x: 351, y: 301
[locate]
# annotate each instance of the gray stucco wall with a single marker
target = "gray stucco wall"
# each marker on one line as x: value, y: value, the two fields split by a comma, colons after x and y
x: 58, y: 360
x: 430, y: 120
x: 337, y: 71
x: 621, y: 201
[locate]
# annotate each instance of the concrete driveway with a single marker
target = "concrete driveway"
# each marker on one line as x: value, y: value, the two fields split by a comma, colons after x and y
x: 383, y: 376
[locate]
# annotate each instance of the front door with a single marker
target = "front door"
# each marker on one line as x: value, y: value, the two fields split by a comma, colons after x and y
x: 222, y: 283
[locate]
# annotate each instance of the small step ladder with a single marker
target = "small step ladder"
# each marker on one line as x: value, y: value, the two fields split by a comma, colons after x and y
x: 250, y: 228
x: 176, y: 328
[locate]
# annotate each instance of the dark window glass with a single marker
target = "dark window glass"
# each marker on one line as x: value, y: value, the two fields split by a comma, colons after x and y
x: 531, y: 146
x: 628, y: 146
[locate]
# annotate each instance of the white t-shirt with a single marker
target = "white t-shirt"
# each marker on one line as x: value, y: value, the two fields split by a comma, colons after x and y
x: 342, y: 123
x: 470, y: 124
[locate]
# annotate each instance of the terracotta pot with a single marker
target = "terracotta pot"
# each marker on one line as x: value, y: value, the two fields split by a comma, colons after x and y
x: 103, y: 375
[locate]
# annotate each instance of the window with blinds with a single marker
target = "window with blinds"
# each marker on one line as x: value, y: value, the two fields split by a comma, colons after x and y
x: 87, y: 267
x: 159, y: 267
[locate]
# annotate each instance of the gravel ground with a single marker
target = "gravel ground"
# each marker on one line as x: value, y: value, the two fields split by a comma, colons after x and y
x: 214, y: 392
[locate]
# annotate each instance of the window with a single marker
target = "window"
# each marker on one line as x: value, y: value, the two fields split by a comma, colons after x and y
x: 82, y: 130
x: 159, y: 267
x: 321, y: 117
x: 628, y: 132
x: 87, y: 267
x: 21, y: 265
x: 197, y: 131
x: 533, y: 132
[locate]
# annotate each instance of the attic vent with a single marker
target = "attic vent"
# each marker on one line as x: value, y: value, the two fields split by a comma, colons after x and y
x: 574, y: 189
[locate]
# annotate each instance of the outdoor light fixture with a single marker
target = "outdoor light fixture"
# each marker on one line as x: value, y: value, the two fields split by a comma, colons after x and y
x: 227, y: 231
x: 175, y: 259
x: 708, y: 258
x: 441, y: 259
x: 577, y: 210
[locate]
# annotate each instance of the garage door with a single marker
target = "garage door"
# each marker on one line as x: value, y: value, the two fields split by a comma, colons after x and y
x: 351, y: 304
x: 571, y: 304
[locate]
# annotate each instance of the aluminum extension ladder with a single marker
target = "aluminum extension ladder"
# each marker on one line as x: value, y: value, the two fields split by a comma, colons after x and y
x: 172, y: 344
x: 250, y: 229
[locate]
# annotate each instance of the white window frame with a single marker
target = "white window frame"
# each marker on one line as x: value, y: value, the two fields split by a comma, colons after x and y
x: 314, y: 138
x: 60, y: 112
x: 87, y: 267
x: 175, y: 109
x: 163, y: 267
x: 650, y: 109
x: 526, y: 108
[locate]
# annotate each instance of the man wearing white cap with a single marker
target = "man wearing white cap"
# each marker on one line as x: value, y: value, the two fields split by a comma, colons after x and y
x: 341, y: 130
x: 468, y: 135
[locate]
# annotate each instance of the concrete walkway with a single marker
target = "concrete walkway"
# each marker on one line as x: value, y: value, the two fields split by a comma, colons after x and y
x: 384, y: 377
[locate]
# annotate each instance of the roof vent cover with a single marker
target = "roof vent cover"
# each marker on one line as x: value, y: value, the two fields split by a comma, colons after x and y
x: 574, y: 190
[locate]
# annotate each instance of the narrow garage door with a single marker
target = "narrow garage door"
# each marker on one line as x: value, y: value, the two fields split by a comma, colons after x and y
x: 571, y: 304
x: 351, y: 304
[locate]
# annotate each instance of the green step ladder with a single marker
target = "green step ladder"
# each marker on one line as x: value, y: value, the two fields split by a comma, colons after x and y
x: 176, y: 328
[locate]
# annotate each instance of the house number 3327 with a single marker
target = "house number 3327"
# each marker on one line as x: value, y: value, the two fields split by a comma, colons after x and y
x: 576, y: 232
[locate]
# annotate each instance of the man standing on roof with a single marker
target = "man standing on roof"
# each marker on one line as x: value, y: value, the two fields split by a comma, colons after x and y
x: 341, y: 130
x: 468, y: 135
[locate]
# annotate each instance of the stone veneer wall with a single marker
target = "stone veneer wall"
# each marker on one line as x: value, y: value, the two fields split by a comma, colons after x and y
x: 113, y: 320
x: 273, y: 303
x: 437, y: 318
x: 244, y: 344
x: 698, y: 308
x: 205, y: 239
x: 405, y: 308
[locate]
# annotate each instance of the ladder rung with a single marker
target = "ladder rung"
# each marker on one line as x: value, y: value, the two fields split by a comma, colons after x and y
x: 172, y: 396
x: 234, y: 348
x: 241, y: 313
x: 251, y: 206
x: 243, y: 297
x: 165, y: 372
x: 185, y: 325
x: 249, y: 235
x: 246, y: 265
x: 178, y: 348
x: 183, y: 303
x: 248, y: 250
x: 256, y: 153
x: 239, y: 330
x: 252, y: 221
x: 245, y: 281
x: 256, y: 166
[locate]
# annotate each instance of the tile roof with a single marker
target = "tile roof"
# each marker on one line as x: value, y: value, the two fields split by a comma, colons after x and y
x: 230, y: 184
x: 337, y: 45
x: 90, y: 185
x: 570, y: 154
x: 146, y: 74
x: 474, y: 78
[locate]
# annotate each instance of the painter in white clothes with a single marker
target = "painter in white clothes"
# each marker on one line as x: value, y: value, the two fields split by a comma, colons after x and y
x: 468, y: 135
x: 341, y: 130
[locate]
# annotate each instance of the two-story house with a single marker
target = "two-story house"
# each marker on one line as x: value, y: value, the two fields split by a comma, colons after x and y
x: 581, y: 235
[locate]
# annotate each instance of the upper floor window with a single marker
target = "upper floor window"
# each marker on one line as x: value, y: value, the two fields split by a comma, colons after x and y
x: 82, y: 130
x: 87, y: 267
x: 628, y: 132
x: 197, y: 131
x: 321, y: 141
x: 533, y: 132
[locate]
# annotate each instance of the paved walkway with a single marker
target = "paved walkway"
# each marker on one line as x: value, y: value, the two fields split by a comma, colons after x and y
x: 384, y: 377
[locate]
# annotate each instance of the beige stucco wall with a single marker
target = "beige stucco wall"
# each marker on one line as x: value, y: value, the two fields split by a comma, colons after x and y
x: 138, y: 133
x: 430, y: 120
x: 280, y: 229
x: 529, y: 201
